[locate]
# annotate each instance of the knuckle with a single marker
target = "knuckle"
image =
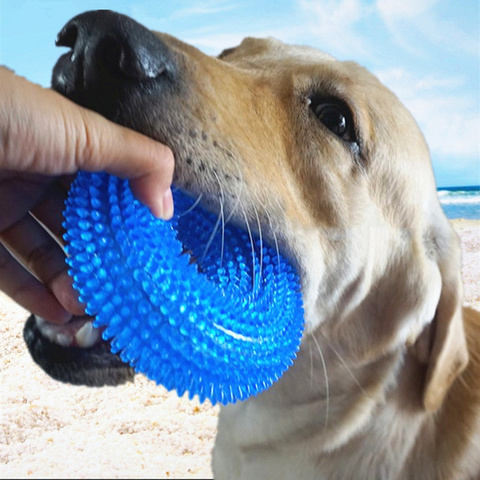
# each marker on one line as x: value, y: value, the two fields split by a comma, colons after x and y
x: 85, y: 144
x: 168, y: 161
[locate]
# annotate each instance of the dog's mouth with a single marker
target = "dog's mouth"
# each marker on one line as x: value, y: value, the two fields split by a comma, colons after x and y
x: 94, y: 366
x: 79, y: 332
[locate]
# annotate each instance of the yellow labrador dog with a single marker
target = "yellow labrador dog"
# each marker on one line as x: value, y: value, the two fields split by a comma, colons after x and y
x: 324, y: 160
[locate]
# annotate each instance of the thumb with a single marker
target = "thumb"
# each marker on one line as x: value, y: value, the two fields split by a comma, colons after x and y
x: 104, y: 146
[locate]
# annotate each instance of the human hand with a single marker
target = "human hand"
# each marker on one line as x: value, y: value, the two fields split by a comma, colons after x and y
x: 44, y: 139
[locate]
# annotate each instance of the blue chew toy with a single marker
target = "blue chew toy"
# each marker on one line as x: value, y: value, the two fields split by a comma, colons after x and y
x: 224, y: 321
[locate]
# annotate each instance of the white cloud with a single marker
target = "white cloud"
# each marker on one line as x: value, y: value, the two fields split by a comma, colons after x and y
x: 449, y: 121
x: 450, y: 126
x: 214, y: 43
x: 329, y: 23
x: 409, y: 20
x: 449, y: 35
x: 431, y: 83
x: 333, y: 14
x: 172, y: 13
x: 202, y: 9
x: 403, y: 81
x: 394, y: 9
x: 332, y: 22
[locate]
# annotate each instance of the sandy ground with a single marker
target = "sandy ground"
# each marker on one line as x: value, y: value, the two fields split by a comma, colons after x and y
x: 52, y: 430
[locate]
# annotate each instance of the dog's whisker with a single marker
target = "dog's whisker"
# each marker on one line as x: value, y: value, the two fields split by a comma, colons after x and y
x: 277, y: 248
x: 311, y: 367
x: 239, y: 195
x: 222, y: 214
x: 249, y: 230
x: 274, y: 235
x: 212, y: 236
x: 220, y: 219
x: 260, y: 235
x: 195, y: 204
x: 327, y: 386
x: 223, y: 233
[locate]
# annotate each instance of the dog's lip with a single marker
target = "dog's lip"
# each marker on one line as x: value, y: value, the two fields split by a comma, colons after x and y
x: 78, y: 332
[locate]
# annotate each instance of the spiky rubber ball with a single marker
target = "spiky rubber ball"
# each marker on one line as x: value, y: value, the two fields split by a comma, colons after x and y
x: 217, y: 314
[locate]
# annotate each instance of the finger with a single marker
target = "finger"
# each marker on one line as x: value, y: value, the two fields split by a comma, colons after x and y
x: 152, y: 193
x: 27, y: 291
x: 46, y: 133
x: 44, y: 258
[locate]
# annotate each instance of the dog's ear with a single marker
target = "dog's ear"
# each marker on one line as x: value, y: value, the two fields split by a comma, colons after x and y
x: 448, y: 349
x: 443, y: 342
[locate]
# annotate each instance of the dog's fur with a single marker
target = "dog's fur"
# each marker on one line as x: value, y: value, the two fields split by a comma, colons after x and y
x: 387, y: 382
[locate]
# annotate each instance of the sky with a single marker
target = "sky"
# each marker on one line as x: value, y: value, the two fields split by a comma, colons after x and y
x: 426, y: 51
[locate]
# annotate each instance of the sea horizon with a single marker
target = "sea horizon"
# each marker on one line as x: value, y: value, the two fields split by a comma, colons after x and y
x: 461, y: 187
x: 460, y: 201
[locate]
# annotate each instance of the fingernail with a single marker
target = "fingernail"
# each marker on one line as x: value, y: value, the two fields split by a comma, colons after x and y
x: 167, y: 201
x: 62, y: 288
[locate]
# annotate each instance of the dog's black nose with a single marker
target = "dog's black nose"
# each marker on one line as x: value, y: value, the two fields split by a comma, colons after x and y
x: 105, y: 46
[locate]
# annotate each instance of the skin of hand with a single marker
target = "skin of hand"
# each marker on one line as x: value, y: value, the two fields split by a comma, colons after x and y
x: 44, y: 140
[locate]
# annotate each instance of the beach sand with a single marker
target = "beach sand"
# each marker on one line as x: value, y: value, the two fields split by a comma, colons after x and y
x: 52, y: 430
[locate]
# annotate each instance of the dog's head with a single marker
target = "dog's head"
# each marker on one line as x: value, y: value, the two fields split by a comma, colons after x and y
x: 315, y: 153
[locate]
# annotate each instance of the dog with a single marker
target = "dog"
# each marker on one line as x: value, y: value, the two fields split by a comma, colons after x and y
x: 322, y: 159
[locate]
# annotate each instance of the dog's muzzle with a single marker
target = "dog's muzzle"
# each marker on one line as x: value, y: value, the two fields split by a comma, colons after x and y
x: 110, y: 55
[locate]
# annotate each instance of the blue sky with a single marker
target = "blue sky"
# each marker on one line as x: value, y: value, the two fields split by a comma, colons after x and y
x: 426, y: 51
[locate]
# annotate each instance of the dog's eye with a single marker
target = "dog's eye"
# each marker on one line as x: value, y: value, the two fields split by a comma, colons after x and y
x: 333, y: 118
x: 336, y: 118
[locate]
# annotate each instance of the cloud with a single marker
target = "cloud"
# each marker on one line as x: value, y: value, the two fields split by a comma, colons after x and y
x: 176, y: 14
x: 214, y: 43
x: 392, y: 10
x: 449, y: 36
x: 403, y: 81
x: 210, y: 26
x: 409, y: 20
x: 431, y: 83
x: 449, y: 120
x: 333, y: 23
x: 202, y: 8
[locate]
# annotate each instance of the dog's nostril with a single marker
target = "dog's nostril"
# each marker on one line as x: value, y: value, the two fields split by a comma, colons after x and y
x: 110, y: 55
x: 67, y: 36
x: 124, y: 58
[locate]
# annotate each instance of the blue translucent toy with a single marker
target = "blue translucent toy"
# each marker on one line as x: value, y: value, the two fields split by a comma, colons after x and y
x: 218, y: 316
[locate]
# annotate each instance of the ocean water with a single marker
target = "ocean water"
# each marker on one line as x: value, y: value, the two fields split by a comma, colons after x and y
x: 460, y: 202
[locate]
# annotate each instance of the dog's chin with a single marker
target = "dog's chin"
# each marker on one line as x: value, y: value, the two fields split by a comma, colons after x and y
x: 57, y: 350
